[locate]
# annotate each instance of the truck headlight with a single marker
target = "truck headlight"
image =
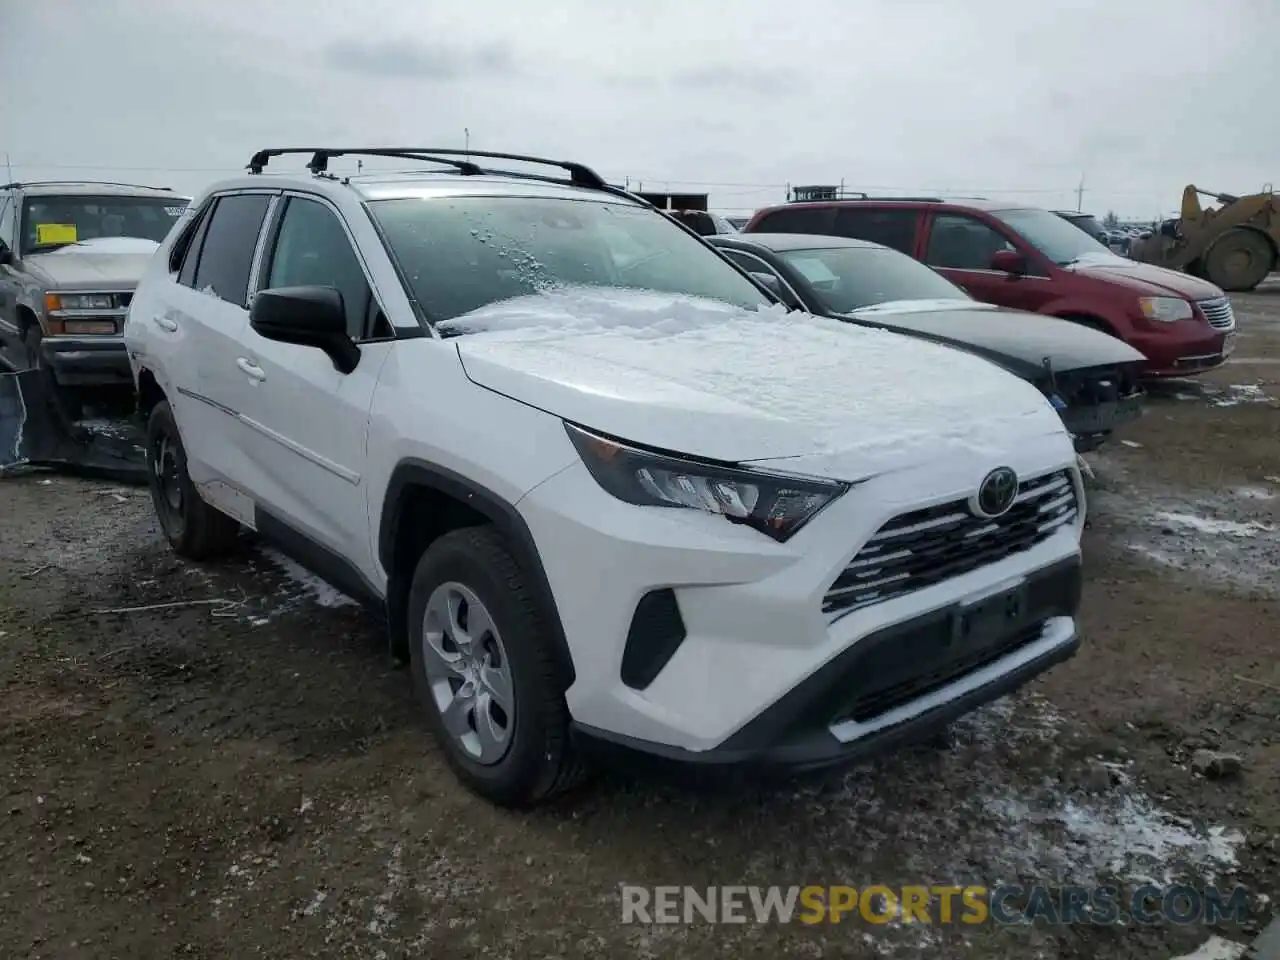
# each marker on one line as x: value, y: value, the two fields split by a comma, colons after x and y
x: 1164, y: 309
x: 776, y: 504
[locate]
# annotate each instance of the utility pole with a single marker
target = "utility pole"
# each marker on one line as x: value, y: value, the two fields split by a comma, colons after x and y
x: 1080, y: 195
x: 466, y: 138
x: 8, y: 166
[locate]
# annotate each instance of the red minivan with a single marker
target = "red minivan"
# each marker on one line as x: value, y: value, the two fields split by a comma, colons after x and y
x: 1031, y: 259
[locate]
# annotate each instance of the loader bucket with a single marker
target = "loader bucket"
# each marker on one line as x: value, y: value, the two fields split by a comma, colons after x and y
x: 36, y: 432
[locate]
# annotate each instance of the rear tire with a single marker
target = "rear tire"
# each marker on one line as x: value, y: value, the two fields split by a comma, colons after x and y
x: 1239, y: 260
x: 482, y: 654
x: 193, y: 528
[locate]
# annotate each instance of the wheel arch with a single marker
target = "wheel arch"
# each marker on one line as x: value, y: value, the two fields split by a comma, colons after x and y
x: 424, y: 501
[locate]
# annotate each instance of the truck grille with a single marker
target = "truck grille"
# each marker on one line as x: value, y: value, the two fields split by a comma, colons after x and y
x: 924, y: 547
x: 1218, y: 312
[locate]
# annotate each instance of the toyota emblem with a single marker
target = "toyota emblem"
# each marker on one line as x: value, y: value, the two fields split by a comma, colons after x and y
x: 996, y: 493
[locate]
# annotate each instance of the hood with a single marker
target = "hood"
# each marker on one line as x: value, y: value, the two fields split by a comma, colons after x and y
x: 1017, y: 340
x: 1144, y: 279
x: 711, y: 380
x: 108, y: 263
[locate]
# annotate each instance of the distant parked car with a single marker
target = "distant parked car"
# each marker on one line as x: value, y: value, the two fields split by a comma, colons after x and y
x: 1089, y: 377
x: 702, y: 222
x: 1086, y: 222
x: 1031, y: 259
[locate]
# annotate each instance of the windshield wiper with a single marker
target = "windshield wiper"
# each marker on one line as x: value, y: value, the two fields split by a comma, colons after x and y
x: 46, y: 247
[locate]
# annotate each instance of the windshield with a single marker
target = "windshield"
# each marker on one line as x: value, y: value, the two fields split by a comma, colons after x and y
x: 52, y: 222
x: 461, y: 253
x: 1058, y: 239
x: 845, y: 279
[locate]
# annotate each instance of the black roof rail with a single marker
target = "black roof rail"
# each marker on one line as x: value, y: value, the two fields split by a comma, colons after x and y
x: 80, y: 183
x: 580, y: 175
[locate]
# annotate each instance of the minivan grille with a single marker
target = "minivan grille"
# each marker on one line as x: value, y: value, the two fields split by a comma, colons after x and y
x: 924, y: 547
x: 1218, y: 312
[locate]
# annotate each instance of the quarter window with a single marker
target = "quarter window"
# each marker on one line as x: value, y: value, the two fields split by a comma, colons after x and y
x: 963, y: 243
x: 226, y: 250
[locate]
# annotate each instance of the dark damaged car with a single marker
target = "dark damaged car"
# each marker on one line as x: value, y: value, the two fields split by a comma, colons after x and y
x: 71, y: 254
x: 1090, y: 377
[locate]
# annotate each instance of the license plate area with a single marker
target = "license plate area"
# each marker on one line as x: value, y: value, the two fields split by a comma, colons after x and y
x: 985, y: 622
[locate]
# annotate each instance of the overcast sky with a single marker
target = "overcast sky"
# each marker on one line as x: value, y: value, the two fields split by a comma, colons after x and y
x: 1004, y: 99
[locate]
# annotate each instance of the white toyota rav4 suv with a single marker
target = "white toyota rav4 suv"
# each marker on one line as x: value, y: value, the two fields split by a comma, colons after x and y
x: 606, y: 491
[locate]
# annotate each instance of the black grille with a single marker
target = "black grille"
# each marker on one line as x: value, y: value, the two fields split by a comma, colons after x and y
x: 1218, y: 312
x: 923, y: 547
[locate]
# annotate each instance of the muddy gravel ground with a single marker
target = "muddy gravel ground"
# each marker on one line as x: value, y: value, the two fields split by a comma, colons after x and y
x: 243, y: 773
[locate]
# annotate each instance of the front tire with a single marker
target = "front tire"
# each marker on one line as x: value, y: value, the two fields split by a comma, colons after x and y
x: 193, y: 528
x: 485, y: 670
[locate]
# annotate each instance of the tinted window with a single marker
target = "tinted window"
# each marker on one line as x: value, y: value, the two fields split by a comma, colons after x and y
x: 226, y: 253
x: 892, y: 228
x: 50, y: 222
x: 1058, y: 239
x: 795, y: 220
x: 186, y: 247
x: 312, y: 249
x: 458, y: 254
x: 748, y: 262
x: 844, y: 279
x: 965, y: 243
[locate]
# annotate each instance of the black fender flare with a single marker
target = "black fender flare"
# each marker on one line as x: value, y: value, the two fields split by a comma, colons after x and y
x: 413, y: 473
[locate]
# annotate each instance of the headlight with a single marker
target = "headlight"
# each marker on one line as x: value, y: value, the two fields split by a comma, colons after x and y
x: 1164, y: 309
x: 54, y: 302
x: 776, y: 504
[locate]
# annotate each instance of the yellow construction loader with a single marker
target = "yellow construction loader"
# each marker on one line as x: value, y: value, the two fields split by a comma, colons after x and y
x: 1233, y: 246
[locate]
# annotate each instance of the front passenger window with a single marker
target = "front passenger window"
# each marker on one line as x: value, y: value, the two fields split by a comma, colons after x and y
x: 312, y: 249
x: 962, y: 243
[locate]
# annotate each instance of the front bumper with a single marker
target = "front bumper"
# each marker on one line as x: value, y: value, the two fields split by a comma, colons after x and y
x: 1187, y: 347
x: 87, y: 361
x: 1091, y: 424
x: 751, y: 609
x: 917, y: 662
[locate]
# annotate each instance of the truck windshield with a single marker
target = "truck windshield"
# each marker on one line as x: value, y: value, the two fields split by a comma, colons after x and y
x: 460, y: 253
x: 1058, y: 239
x: 845, y: 279
x: 49, y: 222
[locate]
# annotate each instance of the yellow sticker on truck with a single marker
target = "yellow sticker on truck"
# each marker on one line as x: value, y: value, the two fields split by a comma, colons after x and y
x: 55, y: 233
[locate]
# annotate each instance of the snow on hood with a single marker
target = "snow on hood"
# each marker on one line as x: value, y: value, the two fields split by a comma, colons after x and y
x: 106, y: 261
x: 109, y: 245
x: 717, y: 381
x: 923, y: 306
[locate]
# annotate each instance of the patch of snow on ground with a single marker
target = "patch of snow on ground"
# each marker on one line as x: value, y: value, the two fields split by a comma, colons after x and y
x: 1013, y: 831
x: 1216, y: 948
x: 322, y: 592
x: 1239, y: 393
x: 1212, y: 526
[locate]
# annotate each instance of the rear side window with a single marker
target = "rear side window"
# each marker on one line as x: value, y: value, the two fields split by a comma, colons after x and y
x: 890, y: 228
x: 796, y: 220
x: 226, y: 251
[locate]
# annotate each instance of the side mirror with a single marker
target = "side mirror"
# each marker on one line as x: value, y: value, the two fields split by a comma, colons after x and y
x: 308, y: 317
x: 1009, y: 261
x: 6, y: 255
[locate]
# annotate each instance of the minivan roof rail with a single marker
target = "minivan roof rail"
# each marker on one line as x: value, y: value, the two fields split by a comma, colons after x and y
x: 580, y: 175
x: 80, y: 183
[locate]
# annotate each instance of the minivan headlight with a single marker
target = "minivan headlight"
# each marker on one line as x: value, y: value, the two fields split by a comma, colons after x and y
x: 1164, y: 309
x: 776, y: 504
